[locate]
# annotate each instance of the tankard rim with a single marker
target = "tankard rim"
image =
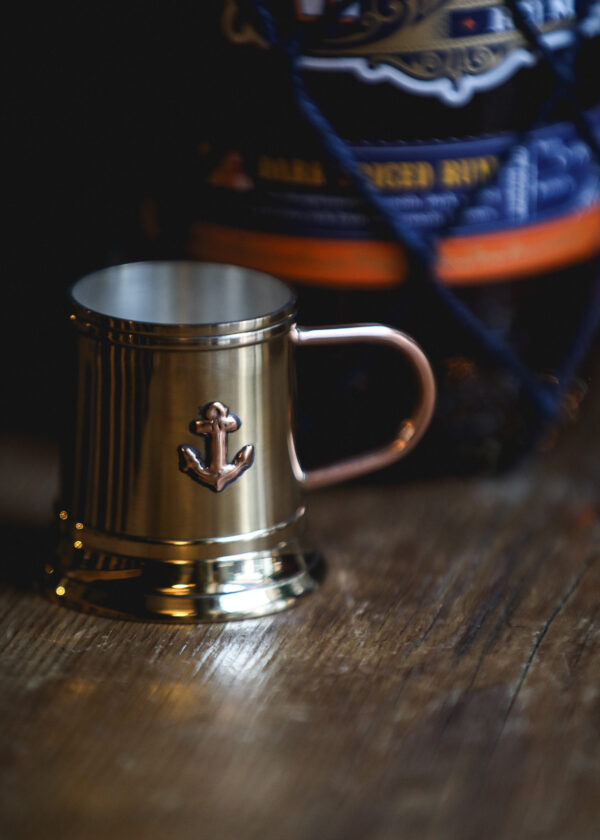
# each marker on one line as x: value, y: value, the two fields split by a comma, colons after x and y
x: 184, y: 289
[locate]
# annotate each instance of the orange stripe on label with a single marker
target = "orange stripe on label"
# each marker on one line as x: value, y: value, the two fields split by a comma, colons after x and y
x: 462, y: 260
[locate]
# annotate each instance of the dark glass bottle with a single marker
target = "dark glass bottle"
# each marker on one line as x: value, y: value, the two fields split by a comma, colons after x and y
x: 241, y: 177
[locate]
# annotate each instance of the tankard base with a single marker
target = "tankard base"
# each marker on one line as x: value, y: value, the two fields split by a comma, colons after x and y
x: 220, y: 589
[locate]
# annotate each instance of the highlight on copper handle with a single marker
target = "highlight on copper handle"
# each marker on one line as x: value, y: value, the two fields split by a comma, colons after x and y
x: 409, y: 432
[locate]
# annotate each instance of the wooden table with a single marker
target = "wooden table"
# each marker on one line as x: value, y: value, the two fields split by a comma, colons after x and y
x: 443, y: 683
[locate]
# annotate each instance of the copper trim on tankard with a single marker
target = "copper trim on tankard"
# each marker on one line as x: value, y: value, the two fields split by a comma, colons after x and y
x: 216, y: 424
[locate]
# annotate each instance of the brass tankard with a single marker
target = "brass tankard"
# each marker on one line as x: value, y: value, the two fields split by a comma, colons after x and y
x: 181, y: 365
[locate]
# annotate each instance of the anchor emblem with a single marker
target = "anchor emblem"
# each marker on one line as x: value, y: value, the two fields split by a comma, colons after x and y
x: 216, y: 425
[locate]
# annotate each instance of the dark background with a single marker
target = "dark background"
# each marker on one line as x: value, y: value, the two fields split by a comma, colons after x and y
x: 97, y: 100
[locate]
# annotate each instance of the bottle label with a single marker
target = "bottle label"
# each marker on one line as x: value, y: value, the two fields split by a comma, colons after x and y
x: 536, y: 209
x: 449, y: 49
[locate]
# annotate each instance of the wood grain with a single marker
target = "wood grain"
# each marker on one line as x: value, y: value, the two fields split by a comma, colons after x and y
x: 443, y: 683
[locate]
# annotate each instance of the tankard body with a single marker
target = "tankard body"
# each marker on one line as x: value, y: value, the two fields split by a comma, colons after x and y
x: 182, y: 497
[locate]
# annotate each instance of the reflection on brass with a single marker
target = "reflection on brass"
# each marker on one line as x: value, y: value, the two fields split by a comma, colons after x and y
x: 216, y: 425
x: 138, y: 539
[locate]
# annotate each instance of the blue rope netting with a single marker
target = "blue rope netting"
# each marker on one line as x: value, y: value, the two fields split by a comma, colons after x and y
x: 422, y: 249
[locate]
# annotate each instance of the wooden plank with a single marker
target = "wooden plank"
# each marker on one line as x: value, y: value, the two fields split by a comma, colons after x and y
x: 443, y: 683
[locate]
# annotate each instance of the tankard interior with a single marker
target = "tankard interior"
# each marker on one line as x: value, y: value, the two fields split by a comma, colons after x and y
x: 182, y: 293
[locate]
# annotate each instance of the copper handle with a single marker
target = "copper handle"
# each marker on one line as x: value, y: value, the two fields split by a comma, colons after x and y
x: 409, y: 432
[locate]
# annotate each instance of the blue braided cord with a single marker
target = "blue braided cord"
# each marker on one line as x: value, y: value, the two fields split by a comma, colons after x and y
x: 562, y: 71
x: 417, y: 245
x: 518, y: 138
x: 547, y: 399
x: 562, y: 67
x: 268, y: 24
x: 591, y: 320
x: 561, y: 93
